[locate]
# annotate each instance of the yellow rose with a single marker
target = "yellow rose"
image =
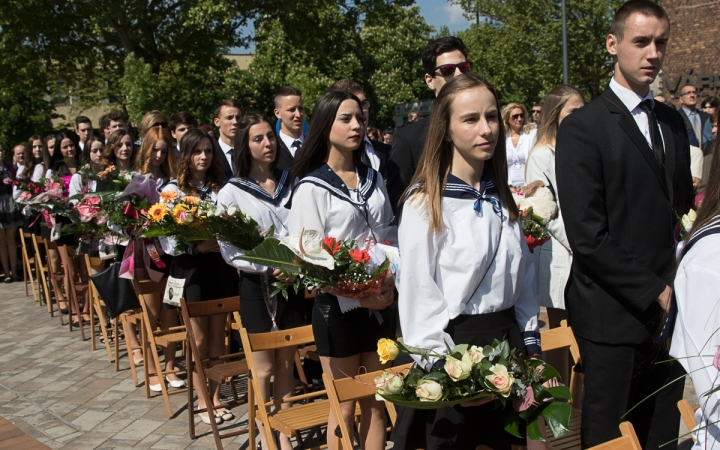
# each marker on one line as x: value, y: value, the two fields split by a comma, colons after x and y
x: 387, y: 350
x: 501, y: 380
x: 428, y: 391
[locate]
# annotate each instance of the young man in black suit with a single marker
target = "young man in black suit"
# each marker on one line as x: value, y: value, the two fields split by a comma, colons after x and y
x: 290, y: 111
x: 623, y: 176
x: 442, y: 59
x: 227, y: 116
x: 376, y: 153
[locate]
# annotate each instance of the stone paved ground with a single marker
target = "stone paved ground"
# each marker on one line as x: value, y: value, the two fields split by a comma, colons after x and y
x: 57, y: 390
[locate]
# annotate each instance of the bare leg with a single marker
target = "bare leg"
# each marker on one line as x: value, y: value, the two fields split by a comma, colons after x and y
x: 199, y: 328
x: 216, y: 347
x: 168, y: 319
x: 279, y: 363
x: 372, y: 419
x: 154, y: 305
x: 336, y: 367
x: 4, y: 253
x: 12, y: 249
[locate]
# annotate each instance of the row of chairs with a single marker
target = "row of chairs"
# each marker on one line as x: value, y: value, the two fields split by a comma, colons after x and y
x: 310, y: 408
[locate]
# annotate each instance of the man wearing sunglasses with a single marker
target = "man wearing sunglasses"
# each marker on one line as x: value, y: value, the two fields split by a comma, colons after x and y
x: 442, y: 59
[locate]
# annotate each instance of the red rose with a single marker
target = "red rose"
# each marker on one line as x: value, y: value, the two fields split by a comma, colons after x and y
x: 331, y: 245
x: 30, y: 185
x: 360, y: 256
x: 15, y: 183
x: 37, y: 191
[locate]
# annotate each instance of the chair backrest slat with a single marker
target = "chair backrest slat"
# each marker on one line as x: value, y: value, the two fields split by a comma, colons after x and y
x: 212, y: 307
x: 147, y: 287
x: 280, y: 339
x: 361, y: 386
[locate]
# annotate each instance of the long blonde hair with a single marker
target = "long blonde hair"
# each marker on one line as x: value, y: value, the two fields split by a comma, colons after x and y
x: 505, y: 114
x: 437, y: 157
x: 554, y: 103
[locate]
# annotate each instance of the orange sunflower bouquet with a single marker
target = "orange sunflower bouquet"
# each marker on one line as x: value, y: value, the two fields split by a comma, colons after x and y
x: 186, y: 219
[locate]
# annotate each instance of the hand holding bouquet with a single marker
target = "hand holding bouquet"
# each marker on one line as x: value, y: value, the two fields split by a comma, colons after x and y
x: 537, y: 207
x: 469, y: 373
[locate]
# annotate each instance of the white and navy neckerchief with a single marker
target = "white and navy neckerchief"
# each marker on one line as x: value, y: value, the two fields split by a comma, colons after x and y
x: 457, y: 188
x: 203, y: 192
x: 282, y: 184
x: 324, y: 177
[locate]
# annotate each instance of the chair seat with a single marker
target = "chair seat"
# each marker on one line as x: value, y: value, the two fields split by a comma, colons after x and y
x: 221, y: 372
x: 170, y: 338
x: 570, y: 440
x: 301, y: 417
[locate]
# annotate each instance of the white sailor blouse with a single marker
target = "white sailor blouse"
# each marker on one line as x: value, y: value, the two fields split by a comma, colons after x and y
x: 479, y: 263
x: 322, y: 202
x: 268, y: 210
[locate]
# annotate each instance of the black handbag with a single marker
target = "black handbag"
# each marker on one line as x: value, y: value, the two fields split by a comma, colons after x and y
x: 116, y: 292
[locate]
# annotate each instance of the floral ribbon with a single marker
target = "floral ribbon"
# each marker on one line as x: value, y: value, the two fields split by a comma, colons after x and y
x: 136, y: 260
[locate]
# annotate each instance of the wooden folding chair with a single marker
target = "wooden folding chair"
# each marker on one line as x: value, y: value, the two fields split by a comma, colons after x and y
x: 687, y: 412
x: 628, y: 440
x: 97, y: 308
x: 43, y: 272
x: 78, y: 288
x: 56, y: 281
x: 289, y: 421
x: 155, y: 336
x: 352, y: 389
x: 226, y: 366
x: 126, y: 318
x: 563, y: 338
x: 28, y: 263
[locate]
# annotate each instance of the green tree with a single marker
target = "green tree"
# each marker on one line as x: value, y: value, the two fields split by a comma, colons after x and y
x: 518, y: 46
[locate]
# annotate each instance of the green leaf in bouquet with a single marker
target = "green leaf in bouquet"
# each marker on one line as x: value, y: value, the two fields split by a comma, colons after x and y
x: 533, y: 430
x: 423, y: 353
x: 560, y: 392
x: 557, y: 417
x: 417, y: 404
x: 512, y: 424
x: 549, y: 372
x: 436, y: 376
x: 460, y: 349
x: 271, y: 253
x: 504, y: 350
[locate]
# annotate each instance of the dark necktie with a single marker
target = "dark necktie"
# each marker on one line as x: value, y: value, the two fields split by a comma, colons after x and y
x: 655, y: 136
x: 296, y: 144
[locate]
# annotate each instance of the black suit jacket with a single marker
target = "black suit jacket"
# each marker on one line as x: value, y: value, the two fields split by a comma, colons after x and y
x: 704, y: 117
x: 223, y: 160
x: 407, y: 147
x: 382, y: 151
x: 284, y: 157
x: 619, y: 206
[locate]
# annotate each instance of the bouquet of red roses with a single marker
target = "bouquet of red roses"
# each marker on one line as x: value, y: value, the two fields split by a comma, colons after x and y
x: 537, y: 207
x: 348, y: 268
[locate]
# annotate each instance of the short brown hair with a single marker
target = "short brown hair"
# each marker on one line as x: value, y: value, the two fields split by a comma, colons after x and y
x: 347, y: 85
x: 285, y: 91
x: 227, y: 102
x: 644, y: 7
x: 117, y: 116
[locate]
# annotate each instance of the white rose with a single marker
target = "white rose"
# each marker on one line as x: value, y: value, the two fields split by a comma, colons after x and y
x: 475, y: 354
x: 458, y: 369
x: 501, y: 380
x: 394, y: 385
x: 428, y: 391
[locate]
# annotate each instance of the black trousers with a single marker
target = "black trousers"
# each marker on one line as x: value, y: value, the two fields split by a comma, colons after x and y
x: 618, y: 377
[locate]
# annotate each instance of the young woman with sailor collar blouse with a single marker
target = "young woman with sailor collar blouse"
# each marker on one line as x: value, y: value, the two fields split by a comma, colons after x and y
x: 262, y: 191
x: 340, y: 197
x: 471, y: 279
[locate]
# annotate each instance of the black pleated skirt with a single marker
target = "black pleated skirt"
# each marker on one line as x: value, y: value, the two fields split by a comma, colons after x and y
x: 207, y: 276
x: 459, y: 427
x: 254, y: 312
x: 340, y: 335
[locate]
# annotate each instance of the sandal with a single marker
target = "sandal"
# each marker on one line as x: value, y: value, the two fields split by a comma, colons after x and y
x: 140, y: 360
x: 8, y: 280
x: 224, y: 414
x: 206, y: 418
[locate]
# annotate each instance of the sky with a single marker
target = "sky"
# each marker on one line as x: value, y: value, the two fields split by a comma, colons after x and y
x: 436, y: 12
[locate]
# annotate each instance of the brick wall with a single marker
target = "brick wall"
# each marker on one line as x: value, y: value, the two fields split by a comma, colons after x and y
x: 694, y: 49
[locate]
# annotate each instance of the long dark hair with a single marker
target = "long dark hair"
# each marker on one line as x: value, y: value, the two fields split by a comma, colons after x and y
x: 113, y: 142
x: 57, y: 161
x: 315, y: 148
x: 710, y: 207
x: 242, y: 154
x: 215, y: 174
x: 30, y: 160
x: 437, y: 157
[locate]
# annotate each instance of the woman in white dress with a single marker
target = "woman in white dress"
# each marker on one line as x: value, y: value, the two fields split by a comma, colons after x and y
x: 342, y: 198
x: 695, y: 339
x: 518, y: 142
x: 553, y: 259
x: 467, y: 275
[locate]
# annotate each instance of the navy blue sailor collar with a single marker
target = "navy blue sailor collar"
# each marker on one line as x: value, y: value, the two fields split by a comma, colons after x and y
x: 252, y: 187
x: 457, y: 188
x: 326, y: 178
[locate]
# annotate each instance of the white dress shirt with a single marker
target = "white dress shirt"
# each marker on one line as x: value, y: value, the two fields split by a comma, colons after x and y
x: 289, y: 140
x: 631, y: 100
x: 695, y: 339
x: 440, y: 274
x: 267, y: 211
x: 517, y: 156
x: 372, y: 156
x: 227, y: 151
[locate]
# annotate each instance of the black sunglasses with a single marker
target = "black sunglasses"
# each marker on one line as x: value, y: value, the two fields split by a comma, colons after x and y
x: 517, y: 116
x: 160, y: 124
x: 536, y: 111
x: 447, y: 70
